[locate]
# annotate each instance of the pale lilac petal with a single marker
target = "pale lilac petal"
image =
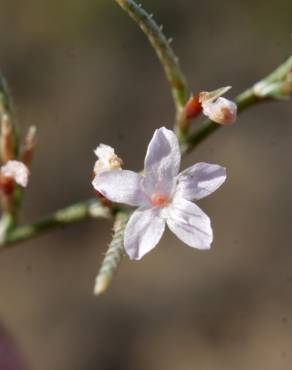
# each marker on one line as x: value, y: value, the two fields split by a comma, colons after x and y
x: 143, y: 232
x: 162, y: 161
x: 120, y: 186
x: 200, y: 180
x: 190, y: 224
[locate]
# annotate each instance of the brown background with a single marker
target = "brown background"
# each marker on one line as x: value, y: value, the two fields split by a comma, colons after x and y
x: 83, y: 73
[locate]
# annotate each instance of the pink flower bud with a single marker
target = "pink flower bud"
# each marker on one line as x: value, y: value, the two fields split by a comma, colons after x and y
x: 218, y: 109
x: 222, y: 111
x: 16, y: 171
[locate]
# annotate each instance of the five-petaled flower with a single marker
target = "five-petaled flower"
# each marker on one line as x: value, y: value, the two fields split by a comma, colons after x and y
x: 164, y: 196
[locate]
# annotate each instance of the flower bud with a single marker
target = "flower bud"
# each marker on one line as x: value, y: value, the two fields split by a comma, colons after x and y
x: 218, y: 109
x: 16, y: 171
x: 107, y: 159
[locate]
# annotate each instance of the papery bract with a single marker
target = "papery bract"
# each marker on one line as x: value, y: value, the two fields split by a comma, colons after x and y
x: 107, y: 159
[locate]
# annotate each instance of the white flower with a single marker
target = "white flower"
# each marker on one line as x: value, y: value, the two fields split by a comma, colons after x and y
x: 16, y: 170
x: 218, y: 109
x: 163, y: 196
x: 107, y: 159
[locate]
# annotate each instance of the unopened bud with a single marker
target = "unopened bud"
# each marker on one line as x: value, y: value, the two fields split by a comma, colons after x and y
x: 29, y: 145
x: 107, y: 159
x: 218, y: 109
x: 17, y: 171
x: 6, y: 139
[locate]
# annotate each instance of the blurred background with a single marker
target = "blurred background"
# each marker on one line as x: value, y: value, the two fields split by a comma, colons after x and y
x: 83, y: 72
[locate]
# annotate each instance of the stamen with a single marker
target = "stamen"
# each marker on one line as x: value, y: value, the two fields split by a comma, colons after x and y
x: 159, y: 200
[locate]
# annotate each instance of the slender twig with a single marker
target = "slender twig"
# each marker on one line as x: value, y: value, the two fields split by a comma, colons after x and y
x: 8, y: 217
x: 6, y: 107
x: 164, y: 51
x: 81, y: 211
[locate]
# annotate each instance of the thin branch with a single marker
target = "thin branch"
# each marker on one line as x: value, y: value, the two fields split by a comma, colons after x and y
x: 164, y: 51
x: 6, y: 107
x: 90, y: 209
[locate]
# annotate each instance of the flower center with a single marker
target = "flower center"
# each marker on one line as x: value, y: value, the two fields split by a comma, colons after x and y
x: 159, y: 200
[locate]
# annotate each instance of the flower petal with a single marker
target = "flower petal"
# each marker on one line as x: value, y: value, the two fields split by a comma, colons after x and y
x: 120, y: 186
x: 143, y: 232
x: 200, y: 180
x: 162, y: 161
x: 190, y: 224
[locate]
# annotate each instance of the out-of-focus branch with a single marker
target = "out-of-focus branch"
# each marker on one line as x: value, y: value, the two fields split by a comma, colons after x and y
x: 6, y: 109
x: 9, y: 150
x: 90, y: 209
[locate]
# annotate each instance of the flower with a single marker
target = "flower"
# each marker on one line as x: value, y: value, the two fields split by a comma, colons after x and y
x: 107, y: 159
x: 218, y: 109
x: 17, y: 171
x: 163, y: 196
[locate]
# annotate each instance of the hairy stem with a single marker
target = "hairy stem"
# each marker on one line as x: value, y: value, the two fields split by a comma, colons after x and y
x: 161, y: 45
x: 113, y: 255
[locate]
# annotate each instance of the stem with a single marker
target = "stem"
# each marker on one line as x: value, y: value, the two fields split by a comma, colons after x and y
x: 9, y: 215
x: 161, y: 45
x: 113, y: 255
x: 82, y: 211
x: 6, y: 107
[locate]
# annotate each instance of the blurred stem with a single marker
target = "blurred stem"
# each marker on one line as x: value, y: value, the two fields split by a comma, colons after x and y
x: 6, y: 107
x: 164, y: 51
x: 81, y: 211
x: 9, y: 214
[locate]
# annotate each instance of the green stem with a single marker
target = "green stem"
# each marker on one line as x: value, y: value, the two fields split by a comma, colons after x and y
x: 81, y: 211
x: 6, y: 107
x: 161, y: 45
